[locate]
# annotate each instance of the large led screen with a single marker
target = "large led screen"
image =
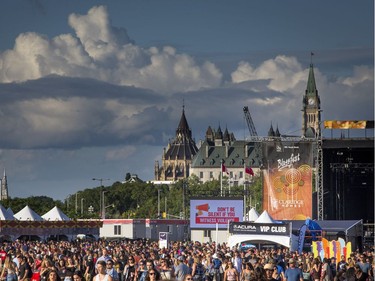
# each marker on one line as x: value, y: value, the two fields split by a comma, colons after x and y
x: 206, y: 213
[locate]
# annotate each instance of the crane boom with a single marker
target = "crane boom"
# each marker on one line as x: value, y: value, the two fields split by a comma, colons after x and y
x: 250, y: 123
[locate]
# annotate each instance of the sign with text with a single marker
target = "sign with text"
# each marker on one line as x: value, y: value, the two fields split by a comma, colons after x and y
x: 163, y: 240
x: 206, y: 213
x: 287, y: 179
x: 259, y: 228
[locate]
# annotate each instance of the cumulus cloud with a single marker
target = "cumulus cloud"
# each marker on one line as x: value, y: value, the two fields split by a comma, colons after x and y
x: 101, y: 51
x: 282, y: 73
x: 361, y: 74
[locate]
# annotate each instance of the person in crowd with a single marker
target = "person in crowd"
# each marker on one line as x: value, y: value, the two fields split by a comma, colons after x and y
x: 365, y: 266
x: 24, y: 270
x: 53, y: 275
x: 89, y: 266
x: 326, y: 272
x: 293, y: 273
x: 181, y: 269
x: 166, y: 271
x: 316, y: 271
x: 104, y: 256
x: 152, y: 275
x: 341, y: 263
x: 111, y: 271
x: 218, y: 272
x: 230, y: 273
x: 9, y: 270
x: 77, y: 276
x: 141, y: 270
x: 130, y: 270
x: 70, y: 266
x: 198, y: 270
x: 102, y: 274
x: 237, y: 262
x: 359, y: 274
x: 271, y: 272
x: 247, y: 273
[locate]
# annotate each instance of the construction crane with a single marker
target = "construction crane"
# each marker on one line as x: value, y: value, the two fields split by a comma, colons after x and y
x: 250, y: 124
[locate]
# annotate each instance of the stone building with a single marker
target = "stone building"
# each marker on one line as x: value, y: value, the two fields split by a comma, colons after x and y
x: 222, y: 148
x: 177, y: 156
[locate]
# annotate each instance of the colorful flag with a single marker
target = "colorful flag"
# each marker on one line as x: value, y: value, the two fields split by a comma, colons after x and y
x: 249, y: 171
x: 224, y: 169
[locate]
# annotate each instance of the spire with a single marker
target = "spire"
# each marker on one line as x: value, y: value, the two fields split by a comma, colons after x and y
x: 183, y: 126
x: 311, y: 86
x: 4, y: 187
x: 226, y: 135
x: 277, y: 133
x: 271, y: 132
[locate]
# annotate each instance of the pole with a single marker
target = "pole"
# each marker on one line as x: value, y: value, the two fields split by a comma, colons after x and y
x: 244, y: 199
x: 101, y: 200
x: 217, y: 230
x: 82, y: 205
x: 183, y: 199
x: 103, y: 206
x: 221, y: 179
x: 76, y: 202
x: 165, y: 206
x: 158, y: 203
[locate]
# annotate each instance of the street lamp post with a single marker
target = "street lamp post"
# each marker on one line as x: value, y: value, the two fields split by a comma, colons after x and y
x: 158, y: 203
x: 82, y: 199
x: 77, y: 202
x: 101, y: 204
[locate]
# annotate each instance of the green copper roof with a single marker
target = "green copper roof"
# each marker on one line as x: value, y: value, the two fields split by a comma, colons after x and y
x: 311, y: 86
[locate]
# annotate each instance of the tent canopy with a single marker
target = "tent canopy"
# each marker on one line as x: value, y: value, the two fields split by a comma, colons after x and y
x: 265, y: 218
x: 55, y: 214
x: 252, y: 215
x: 5, y: 215
x: 27, y: 214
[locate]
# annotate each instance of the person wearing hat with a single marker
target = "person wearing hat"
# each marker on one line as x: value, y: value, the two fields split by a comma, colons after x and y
x: 293, y: 273
x: 181, y: 269
x: 271, y: 272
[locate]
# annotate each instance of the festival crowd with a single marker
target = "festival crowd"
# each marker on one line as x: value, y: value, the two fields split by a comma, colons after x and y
x: 142, y: 260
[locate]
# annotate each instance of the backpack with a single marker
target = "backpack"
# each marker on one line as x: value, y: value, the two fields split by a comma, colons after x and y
x: 217, y: 263
x: 200, y: 270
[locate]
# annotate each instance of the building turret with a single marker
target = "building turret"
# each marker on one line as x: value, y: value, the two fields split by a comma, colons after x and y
x: 4, y: 187
x: 176, y: 158
x: 311, y: 108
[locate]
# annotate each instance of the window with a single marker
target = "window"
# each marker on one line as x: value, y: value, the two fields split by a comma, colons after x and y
x: 241, y: 175
x: 117, y: 229
x: 170, y: 228
x: 211, y: 175
x: 201, y: 175
x: 207, y: 233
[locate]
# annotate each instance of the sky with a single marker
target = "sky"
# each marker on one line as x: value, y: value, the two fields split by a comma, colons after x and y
x: 95, y: 89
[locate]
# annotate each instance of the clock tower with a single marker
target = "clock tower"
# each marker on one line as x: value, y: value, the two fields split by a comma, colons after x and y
x: 311, y: 108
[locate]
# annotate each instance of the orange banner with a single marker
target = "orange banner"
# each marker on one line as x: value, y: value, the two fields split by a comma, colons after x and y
x: 287, y: 180
x: 348, y: 124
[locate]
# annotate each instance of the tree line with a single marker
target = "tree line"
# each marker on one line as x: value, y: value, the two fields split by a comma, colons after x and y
x: 132, y: 200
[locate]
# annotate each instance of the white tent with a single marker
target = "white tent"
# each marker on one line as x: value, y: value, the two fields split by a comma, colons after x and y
x: 252, y: 215
x: 265, y: 218
x: 10, y: 211
x: 5, y: 215
x: 27, y: 214
x: 55, y: 214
